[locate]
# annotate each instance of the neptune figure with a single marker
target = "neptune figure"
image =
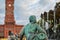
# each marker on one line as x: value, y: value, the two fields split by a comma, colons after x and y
x: 33, y: 31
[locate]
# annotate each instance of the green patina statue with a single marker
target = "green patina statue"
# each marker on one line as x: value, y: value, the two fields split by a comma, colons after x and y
x: 33, y: 31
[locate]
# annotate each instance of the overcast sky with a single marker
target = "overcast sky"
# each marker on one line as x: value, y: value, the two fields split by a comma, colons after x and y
x: 24, y: 8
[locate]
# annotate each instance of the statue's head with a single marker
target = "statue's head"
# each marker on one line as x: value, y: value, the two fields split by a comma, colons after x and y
x: 32, y: 19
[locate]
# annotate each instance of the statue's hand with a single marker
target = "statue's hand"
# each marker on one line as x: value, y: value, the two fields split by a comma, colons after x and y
x: 42, y: 36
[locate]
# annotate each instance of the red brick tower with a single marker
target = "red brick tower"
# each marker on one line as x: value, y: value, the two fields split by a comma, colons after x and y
x: 9, y: 17
x: 9, y: 20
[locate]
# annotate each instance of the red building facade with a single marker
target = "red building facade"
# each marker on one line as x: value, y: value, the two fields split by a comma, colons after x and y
x: 9, y: 20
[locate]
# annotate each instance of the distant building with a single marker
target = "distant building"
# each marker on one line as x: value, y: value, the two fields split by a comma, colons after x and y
x: 9, y: 20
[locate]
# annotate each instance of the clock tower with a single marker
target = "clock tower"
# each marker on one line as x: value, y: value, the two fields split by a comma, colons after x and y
x: 9, y: 17
x: 9, y: 22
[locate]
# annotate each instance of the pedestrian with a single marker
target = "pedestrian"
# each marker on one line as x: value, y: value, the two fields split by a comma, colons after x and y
x: 16, y: 36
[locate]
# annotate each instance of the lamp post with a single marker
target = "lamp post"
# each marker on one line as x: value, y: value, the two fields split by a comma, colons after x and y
x: 47, y: 16
x: 54, y: 16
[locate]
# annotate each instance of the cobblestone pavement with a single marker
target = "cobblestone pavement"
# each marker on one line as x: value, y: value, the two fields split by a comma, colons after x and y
x: 3, y: 38
x: 24, y: 39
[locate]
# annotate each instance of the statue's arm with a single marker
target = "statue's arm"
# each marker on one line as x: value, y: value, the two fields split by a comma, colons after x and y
x: 41, y: 30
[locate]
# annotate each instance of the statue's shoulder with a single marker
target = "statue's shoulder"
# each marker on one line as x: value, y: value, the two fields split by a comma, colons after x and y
x: 27, y: 25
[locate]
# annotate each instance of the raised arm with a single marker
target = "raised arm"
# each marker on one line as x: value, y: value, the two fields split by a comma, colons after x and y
x: 41, y: 30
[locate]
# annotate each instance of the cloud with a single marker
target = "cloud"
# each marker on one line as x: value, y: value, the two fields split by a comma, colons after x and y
x: 24, y: 8
x: 57, y: 0
x: 21, y: 22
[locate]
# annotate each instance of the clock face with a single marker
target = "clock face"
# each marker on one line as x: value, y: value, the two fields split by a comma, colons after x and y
x: 9, y: 5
